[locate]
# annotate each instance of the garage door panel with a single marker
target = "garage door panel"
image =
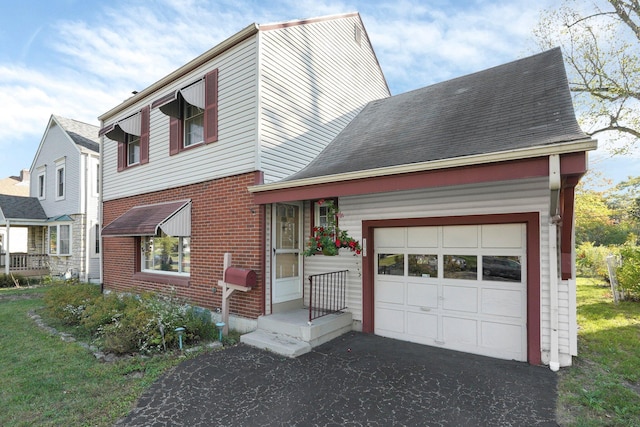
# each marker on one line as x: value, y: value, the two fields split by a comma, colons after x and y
x: 460, y: 298
x: 459, y: 331
x: 390, y: 292
x: 391, y: 237
x: 422, y: 237
x: 422, y: 295
x: 502, y: 236
x: 423, y: 325
x: 501, y: 336
x: 460, y: 236
x: 389, y: 320
x: 502, y: 302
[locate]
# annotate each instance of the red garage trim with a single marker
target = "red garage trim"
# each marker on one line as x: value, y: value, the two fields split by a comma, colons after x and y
x: 532, y: 222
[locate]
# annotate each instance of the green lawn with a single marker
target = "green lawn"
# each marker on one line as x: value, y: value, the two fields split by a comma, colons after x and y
x: 45, y: 381
x: 602, y: 388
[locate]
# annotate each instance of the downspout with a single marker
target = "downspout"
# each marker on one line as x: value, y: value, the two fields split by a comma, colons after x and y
x: 87, y: 229
x: 555, y: 219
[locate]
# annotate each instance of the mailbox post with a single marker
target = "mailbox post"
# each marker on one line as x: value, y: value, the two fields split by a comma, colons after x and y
x: 234, y: 279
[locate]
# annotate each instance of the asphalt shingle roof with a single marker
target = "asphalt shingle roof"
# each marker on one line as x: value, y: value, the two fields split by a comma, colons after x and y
x: 521, y: 104
x: 17, y: 207
x: 83, y: 134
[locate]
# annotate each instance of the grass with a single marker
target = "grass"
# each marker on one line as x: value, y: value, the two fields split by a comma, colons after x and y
x: 602, y: 388
x: 45, y: 381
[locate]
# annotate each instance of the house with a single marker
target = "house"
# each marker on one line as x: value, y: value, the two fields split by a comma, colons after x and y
x: 61, y: 214
x: 14, y: 186
x: 461, y: 195
x: 179, y: 156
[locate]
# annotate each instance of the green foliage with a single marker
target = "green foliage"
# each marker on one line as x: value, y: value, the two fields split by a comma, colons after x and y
x: 10, y: 280
x: 68, y: 302
x: 127, y: 323
x: 628, y: 274
x: 591, y: 260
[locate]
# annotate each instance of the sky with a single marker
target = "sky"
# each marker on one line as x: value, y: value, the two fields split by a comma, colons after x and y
x: 80, y: 58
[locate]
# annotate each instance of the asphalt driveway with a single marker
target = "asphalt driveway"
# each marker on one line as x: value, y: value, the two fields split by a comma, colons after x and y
x: 355, y: 380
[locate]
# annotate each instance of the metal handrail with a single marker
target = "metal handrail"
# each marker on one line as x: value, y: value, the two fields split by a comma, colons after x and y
x: 327, y: 293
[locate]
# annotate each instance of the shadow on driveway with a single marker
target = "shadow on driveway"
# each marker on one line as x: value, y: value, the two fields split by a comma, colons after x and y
x: 357, y: 380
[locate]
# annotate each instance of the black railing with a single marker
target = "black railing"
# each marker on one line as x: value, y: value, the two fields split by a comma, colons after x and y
x: 327, y: 293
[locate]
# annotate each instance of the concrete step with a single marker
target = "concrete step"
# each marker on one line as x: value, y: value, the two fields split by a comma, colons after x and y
x: 277, y: 343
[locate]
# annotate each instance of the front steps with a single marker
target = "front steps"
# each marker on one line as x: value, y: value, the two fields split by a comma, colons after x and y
x: 290, y: 335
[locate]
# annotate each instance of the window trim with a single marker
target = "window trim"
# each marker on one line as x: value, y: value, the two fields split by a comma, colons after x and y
x: 315, y: 211
x: 141, y: 264
x: 61, y: 178
x: 123, y: 153
x: 41, y: 184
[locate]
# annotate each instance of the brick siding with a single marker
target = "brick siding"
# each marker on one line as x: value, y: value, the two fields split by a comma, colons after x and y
x: 223, y: 219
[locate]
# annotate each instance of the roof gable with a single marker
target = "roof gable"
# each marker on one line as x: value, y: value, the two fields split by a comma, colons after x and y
x: 519, y: 105
x: 84, y: 135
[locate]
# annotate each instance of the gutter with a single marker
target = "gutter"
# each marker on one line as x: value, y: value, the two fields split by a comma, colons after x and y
x: 185, y: 69
x: 587, y: 144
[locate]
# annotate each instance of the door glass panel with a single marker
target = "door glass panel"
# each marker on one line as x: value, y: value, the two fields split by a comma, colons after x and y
x: 286, y: 265
x: 502, y: 268
x: 423, y: 265
x: 461, y: 267
x: 391, y: 264
x: 287, y: 227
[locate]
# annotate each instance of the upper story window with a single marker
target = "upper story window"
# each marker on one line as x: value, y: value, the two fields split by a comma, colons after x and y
x: 42, y: 185
x: 132, y: 135
x: 60, y: 179
x: 193, y: 113
x: 133, y: 149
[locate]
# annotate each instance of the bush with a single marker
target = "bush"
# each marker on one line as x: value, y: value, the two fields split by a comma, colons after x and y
x: 127, y: 323
x: 591, y: 261
x: 628, y: 274
x: 69, y: 302
x: 9, y: 280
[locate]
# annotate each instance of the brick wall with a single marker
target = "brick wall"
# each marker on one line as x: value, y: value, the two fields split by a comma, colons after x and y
x: 223, y: 219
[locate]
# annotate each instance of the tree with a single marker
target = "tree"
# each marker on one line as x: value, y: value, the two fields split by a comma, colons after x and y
x: 600, y: 42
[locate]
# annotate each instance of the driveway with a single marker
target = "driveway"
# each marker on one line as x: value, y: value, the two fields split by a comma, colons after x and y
x: 355, y: 380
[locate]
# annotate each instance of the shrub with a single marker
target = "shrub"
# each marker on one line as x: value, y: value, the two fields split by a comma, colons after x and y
x: 69, y: 302
x: 591, y: 261
x: 10, y: 280
x: 628, y: 274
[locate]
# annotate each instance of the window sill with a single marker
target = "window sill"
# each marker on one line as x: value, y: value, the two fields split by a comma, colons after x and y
x: 165, y: 279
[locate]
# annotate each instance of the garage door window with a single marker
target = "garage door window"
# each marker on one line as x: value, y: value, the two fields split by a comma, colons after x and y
x: 391, y: 264
x: 502, y: 268
x: 461, y: 267
x: 423, y: 265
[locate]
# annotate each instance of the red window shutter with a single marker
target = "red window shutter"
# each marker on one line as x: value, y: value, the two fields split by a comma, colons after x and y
x: 144, y: 135
x: 211, y: 107
x: 122, y: 156
x: 175, y: 135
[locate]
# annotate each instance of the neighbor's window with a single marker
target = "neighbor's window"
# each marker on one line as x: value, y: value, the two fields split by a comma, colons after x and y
x: 166, y: 254
x: 41, y: 186
x: 96, y: 232
x: 60, y: 239
x: 460, y: 267
x: 193, y: 125
x: 391, y: 264
x: 60, y: 181
x: 133, y: 149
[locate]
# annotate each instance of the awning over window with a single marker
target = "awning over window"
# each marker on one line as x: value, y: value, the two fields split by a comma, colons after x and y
x: 131, y: 125
x: 192, y: 94
x: 174, y: 218
x: 60, y: 218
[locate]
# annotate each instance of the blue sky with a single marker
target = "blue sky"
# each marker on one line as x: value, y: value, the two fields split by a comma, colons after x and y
x: 80, y: 58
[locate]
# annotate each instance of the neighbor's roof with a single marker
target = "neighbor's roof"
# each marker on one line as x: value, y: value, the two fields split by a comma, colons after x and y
x: 16, y: 207
x: 84, y: 135
x: 519, y: 105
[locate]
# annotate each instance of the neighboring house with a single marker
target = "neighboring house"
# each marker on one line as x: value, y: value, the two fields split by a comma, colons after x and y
x: 462, y: 197
x: 63, y: 233
x: 179, y: 156
x: 15, y: 186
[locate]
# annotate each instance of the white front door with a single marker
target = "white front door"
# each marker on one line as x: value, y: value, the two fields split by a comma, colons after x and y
x: 287, y: 232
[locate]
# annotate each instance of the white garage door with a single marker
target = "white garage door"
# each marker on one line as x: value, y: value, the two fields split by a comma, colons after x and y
x: 457, y: 287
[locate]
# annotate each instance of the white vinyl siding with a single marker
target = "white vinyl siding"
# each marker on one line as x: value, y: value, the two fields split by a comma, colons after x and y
x: 479, y: 199
x: 58, y: 150
x: 314, y: 79
x: 233, y: 153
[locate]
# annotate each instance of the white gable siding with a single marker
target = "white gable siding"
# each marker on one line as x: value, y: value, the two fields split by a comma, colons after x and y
x: 314, y: 79
x: 233, y: 153
x: 508, y: 197
x: 56, y: 146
